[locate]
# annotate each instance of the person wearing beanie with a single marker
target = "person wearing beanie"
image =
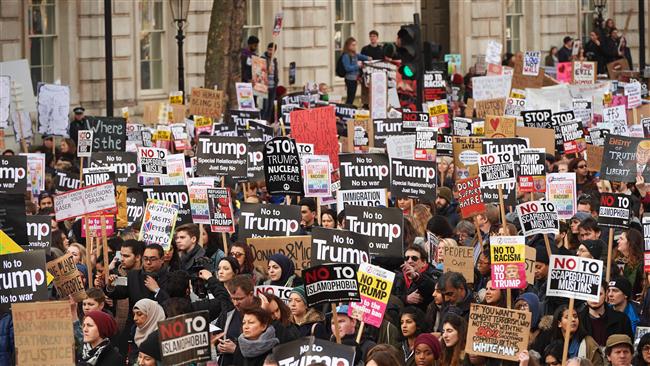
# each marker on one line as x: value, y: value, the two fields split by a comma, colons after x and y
x: 619, y: 297
x: 592, y: 249
x: 427, y: 349
x: 446, y: 206
x: 149, y: 351
x: 347, y: 331
x: 98, y: 327
x: 439, y: 225
x: 601, y: 321
x: 541, y: 273
x: 310, y: 322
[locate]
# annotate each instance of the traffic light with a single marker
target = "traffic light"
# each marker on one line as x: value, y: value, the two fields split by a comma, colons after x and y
x: 410, y: 51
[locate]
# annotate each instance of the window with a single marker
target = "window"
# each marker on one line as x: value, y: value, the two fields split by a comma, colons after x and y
x: 587, y: 12
x: 514, y: 14
x: 42, y: 32
x: 342, y: 25
x: 151, y: 40
x: 253, y: 25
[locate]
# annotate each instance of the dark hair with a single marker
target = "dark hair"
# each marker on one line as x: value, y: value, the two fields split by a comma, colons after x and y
x: 253, y: 40
x: 156, y: 247
x: 272, y: 45
x: 191, y: 229
x: 178, y: 283
x: 242, y: 281
x: 420, y: 250
x: 248, y: 266
x: 340, y: 219
x: 451, y: 356
x: 454, y: 279
x: 309, y: 202
x: 440, y: 226
x: 644, y: 341
x: 420, y: 318
x: 57, y: 240
x: 554, y: 349
x: 96, y: 294
x: 285, y: 312
x: 137, y: 247
x: 330, y: 212
x: 233, y: 264
x: 177, y: 306
x: 636, y: 245
x: 373, y: 32
x: 384, y: 355
x: 558, y: 333
x: 263, y: 315
x: 589, y: 224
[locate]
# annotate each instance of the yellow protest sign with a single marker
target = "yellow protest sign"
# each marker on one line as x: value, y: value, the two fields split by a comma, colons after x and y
x: 9, y: 246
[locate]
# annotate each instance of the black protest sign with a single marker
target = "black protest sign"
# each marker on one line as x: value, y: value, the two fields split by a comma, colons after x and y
x: 462, y: 126
x: 445, y: 146
x: 596, y: 136
x: 84, y: 143
x: 176, y: 194
x: 252, y: 135
x: 257, y: 220
x: 572, y: 137
x: 13, y: 216
x: 225, y: 129
x: 185, y: 338
x: 645, y: 122
x: 241, y: 118
x: 538, y: 118
x: 39, y: 231
x: 98, y: 175
x: 538, y: 217
x: 134, y: 205
x: 364, y: 171
x: 152, y: 162
x: 13, y: 174
x: 344, y: 112
x: 413, y: 178
x: 267, y: 131
x: 645, y: 221
x: 219, y: 156
x: 562, y: 117
x: 413, y: 120
x: 282, y: 167
x: 510, y: 146
x: 23, y: 278
x: 66, y: 181
x: 624, y: 158
x: 491, y: 194
x: 255, y: 171
x: 331, y: 283
x: 495, y: 169
x: 532, y: 172
x: 312, y: 350
x: 383, y: 226
x: 338, y: 246
x: 125, y: 164
x: 426, y: 139
x: 615, y: 210
x: 385, y: 128
x: 109, y: 133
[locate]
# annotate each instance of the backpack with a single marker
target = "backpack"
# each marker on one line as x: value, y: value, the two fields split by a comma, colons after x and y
x: 340, y: 68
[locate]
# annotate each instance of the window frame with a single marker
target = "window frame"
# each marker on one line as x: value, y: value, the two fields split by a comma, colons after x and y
x: 510, y: 18
x: 153, y: 92
x: 50, y: 37
x: 256, y: 28
x: 590, y: 12
x: 349, y: 21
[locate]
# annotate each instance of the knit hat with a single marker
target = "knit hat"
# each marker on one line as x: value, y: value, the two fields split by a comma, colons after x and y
x: 151, y: 347
x: 445, y: 192
x: 105, y: 323
x: 581, y: 216
x: 300, y: 290
x: 595, y: 247
x: 541, y: 256
x: 431, y: 341
x: 534, y: 306
x: 83, y: 269
x: 622, y: 284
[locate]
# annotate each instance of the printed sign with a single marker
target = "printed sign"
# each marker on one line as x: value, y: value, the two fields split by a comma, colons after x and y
x: 508, y: 261
x: 23, y: 278
x: 364, y: 171
x: 538, y: 217
x: 385, y: 128
x: 584, y: 72
x: 311, y: 350
x: 561, y: 190
x: 66, y: 182
x: 279, y: 291
x: 361, y: 197
x: 125, y: 164
x: 615, y: 210
x: 221, y: 212
x: 375, y: 285
x: 158, y: 223
x: 296, y: 248
x: 514, y: 107
x: 84, y: 201
x: 496, y: 168
x: 84, y: 143
x: 282, y: 167
x: 426, y: 139
x: 95, y: 226
x: 152, y: 161
x: 532, y: 171
x: 177, y: 195
x: 412, y: 120
x: 574, y: 277
x: 98, y: 175
x: 538, y: 118
x: 338, y: 246
x: 318, y: 177
x: 625, y: 158
x: 13, y: 174
x: 470, y: 199
x: 413, y: 178
x: 331, y: 283
x: 258, y: 220
x: 496, y: 332
x: 382, y: 225
x: 66, y: 277
x: 573, y: 139
x: 39, y: 231
x: 222, y: 156
x: 185, y: 338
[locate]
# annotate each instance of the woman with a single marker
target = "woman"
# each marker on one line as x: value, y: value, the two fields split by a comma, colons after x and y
x: 412, y: 324
x: 257, y: 339
x: 227, y: 269
x: 645, y: 302
x: 149, y: 351
x: 68, y: 150
x: 384, y: 355
x: 146, y: 315
x: 465, y: 231
x: 530, y: 302
x: 59, y: 244
x: 98, y: 327
x: 594, y: 52
x: 285, y: 330
x: 420, y: 219
x: 591, y: 249
x: 454, y: 332
x: 580, y: 344
x: 552, y: 355
x: 308, y: 320
x: 440, y: 254
x: 244, y: 256
x: 445, y: 171
x: 434, y: 313
x: 584, y: 180
x: 282, y: 272
x: 405, y: 204
x: 494, y: 297
x: 328, y: 219
x: 630, y: 258
x: 642, y: 357
x: 427, y: 350
x: 213, y: 245
x: 78, y: 253
x: 551, y: 58
x: 352, y: 62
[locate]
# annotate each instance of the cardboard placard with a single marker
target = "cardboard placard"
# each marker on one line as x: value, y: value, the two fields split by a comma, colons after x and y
x: 520, y: 80
x: 331, y: 283
x: 338, y: 246
x: 574, y: 277
x: 23, y: 278
x: 282, y: 167
x: 470, y: 199
x: 490, y: 107
x: 364, y: 171
x: 539, y: 138
x: 84, y: 201
x: 594, y: 157
x: 497, y: 332
x: 460, y: 259
x: 531, y: 255
x: 500, y: 126
x: 256, y: 220
x: 221, y: 212
x: 508, y: 261
x: 360, y: 135
x: 375, y: 285
x: 185, y: 338
x: 615, y: 210
x: 466, y: 152
x: 158, y: 223
x: 206, y: 102
x: 615, y: 68
x: 222, y: 156
x: 66, y: 278
x: 383, y: 226
x: 538, y: 217
x: 296, y: 248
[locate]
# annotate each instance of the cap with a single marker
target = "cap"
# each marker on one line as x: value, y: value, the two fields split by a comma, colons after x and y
x: 618, y: 339
x: 595, y: 247
x: 445, y: 192
x: 79, y: 110
x: 622, y: 284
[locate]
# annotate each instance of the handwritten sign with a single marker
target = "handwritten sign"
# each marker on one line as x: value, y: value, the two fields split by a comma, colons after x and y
x: 497, y: 332
x: 206, y: 102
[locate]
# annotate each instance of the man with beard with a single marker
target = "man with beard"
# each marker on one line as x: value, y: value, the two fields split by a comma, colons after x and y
x: 446, y: 206
x: 601, y: 321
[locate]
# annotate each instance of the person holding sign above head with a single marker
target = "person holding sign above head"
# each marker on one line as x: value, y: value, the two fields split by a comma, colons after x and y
x: 98, y: 327
x: 601, y: 321
x: 281, y: 272
x: 619, y: 297
x: 310, y: 322
x: 454, y: 334
x: 415, y: 284
x: 347, y: 330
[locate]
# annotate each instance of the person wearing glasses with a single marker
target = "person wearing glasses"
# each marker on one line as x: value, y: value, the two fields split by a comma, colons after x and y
x: 529, y: 302
x: 584, y: 180
x: 415, y: 284
x: 244, y: 256
x: 642, y: 357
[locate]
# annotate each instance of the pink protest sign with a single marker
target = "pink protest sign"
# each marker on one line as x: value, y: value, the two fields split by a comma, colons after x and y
x: 375, y: 284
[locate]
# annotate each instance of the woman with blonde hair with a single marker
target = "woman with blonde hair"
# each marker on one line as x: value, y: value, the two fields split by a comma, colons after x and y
x: 421, y: 217
x: 78, y: 253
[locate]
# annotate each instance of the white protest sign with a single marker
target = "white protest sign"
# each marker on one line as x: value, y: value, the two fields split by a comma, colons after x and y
x: 491, y: 87
x: 497, y: 168
x: 574, y: 277
x: 538, y: 217
x: 84, y: 201
x: 400, y: 146
x: 5, y: 99
x: 84, y: 143
x: 633, y: 93
x: 532, y: 62
x: 279, y: 291
x: 158, y: 223
x: 53, y: 108
x: 493, y: 52
x: 152, y: 161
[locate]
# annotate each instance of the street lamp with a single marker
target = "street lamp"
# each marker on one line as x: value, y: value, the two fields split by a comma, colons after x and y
x: 180, y: 10
x: 600, y: 6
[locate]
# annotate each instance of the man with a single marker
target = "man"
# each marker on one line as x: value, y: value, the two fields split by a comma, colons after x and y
x: 619, y: 350
x: 446, y: 206
x: 375, y: 51
x: 348, y: 331
x: 268, y: 111
x: 619, y: 294
x: 414, y: 285
x: 178, y: 286
x: 589, y: 230
x: 240, y: 289
x: 131, y: 252
x: 187, y: 239
x: 247, y: 59
x: 587, y: 205
x: 564, y: 54
x: 308, y: 211
x: 601, y: 321
x: 456, y: 295
x: 77, y: 124
x: 44, y: 201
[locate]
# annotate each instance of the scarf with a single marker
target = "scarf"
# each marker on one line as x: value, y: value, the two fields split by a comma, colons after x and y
x: 408, y: 281
x: 154, y: 313
x: 91, y: 355
x: 259, y: 346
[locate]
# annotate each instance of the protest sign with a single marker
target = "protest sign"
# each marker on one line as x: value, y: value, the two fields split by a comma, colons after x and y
x: 633, y: 93
x: 13, y: 217
x: 338, y: 246
x: 438, y: 114
x: 538, y: 118
x: 158, y: 223
x: 510, y: 146
x: 490, y: 107
x: 95, y: 226
x: 466, y: 153
x: 561, y: 190
x: 615, y: 210
x: 312, y: 350
x: 67, y: 280
x: 98, y: 175
x: 222, y: 156
x: 13, y: 174
x: 23, y: 278
x: 375, y: 284
x: 331, y: 283
x: 199, y: 204
x: 258, y: 220
x: 84, y: 201
x: 125, y: 164
x: 53, y: 106
x: 574, y: 277
x: 382, y: 225
x: 496, y: 332
x: 645, y: 221
x: 318, y: 177
x: 461, y: 127
x: 564, y: 72
x: 461, y: 260
x: 500, y: 126
x: 109, y: 133
x: 584, y: 72
x: 383, y: 128
x: 508, y: 261
x: 532, y: 62
x: 538, y: 217
x: 221, y: 212
x: 360, y: 135
x: 35, y: 171
x: 531, y: 255
x: 260, y: 77
x: 255, y: 170
x: 43, y: 334
x: 573, y: 139
x: 435, y: 85
x: 514, y: 108
x: 245, y: 99
x: 134, y: 206
x: 176, y: 174
x: 66, y: 182
x: 496, y: 169
x: 426, y: 139
x: 532, y: 171
x: 84, y: 143
x: 597, y: 137
x: 296, y: 248
x: 241, y: 118
x: 522, y: 81
x: 378, y: 94
x: 152, y: 161
x: 413, y: 178
x: 364, y: 171
x: 176, y: 194
x: 615, y: 118
x: 39, y: 231
x: 279, y: 291
x: 401, y: 147
x: 491, y: 87
x: 185, y: 338
x: 282, y: 167
x: 317, y: 126
x: 445, y: 146
x: 624, y: 158
x: 361, y: 197
x: 413, y: 120
x: 582, y: 108
x: 206, y: 102
x: 470, y: 199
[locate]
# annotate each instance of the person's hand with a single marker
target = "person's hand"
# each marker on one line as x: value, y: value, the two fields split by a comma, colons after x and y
x: 111, y: 279
x: 73, y: 308
x: 641, y: 186
x: 264, y: 302
x: 109, y: 302
x: 360, y: 63
x: 204, y: 274
x: 111, y: 265
x: 226, y: 346
x: 523, y: 358
x: 214, y: 339
x: 414, y: 298
x: 151, y: 284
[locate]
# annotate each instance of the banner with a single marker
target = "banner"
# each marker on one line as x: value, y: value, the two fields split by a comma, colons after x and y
x: 152, y: 161
x: 364, y: 171
x: 185, y: 338
x: 13, y: 174
x: 375, y: 285
x: 66, y: 182
x: 331, y: 283
x: 361, y: 197
x: 221, y: 212
x: 561, y: 190
x: 470, y: 199
x: 538, y: 217
x: 282, y: 167
x: 574, y: 277
x: 84, y: 201
x: 23, y: 278
x: 109, y: 133
x: 382, y: 225
x: 459, y: 259
x: 311, y: 350
x: 296, y: 248
x: 177, y: 195
x: 124, y: 163
x: 496, y: 169
x: 222, y: 156
x: 257, y: 220
x: 508, y: 261
x: 158, y: 223
x: 615, y: 210
x: 338, y: 246
x: 532, y: 171
x: 413, y: 178
x: 66, y: 278
x: 279, y: 291
x: 39, y: 232
x: 497, y: 332
x: 206, y: 102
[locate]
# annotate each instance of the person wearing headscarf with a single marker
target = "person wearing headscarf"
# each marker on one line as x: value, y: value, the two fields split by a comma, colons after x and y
x: 98, y: 327
x: 146, y: 315
x: 282, y: 272
x: 427, y: 349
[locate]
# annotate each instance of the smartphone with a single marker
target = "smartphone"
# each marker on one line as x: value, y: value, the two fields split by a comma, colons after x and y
x: 120, y: 281
x: 118, y: 256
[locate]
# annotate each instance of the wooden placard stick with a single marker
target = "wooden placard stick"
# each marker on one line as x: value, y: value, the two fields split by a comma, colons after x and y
x: 104, y: 246
x: 567, y: 333
x: 89, y: 248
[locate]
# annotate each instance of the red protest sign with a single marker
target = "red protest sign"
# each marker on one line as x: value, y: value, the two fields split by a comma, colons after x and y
x: 470, y: 198
x: 318, y: 127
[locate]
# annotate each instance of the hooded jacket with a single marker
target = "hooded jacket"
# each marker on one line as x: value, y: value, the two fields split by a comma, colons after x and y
x: 313, y: 324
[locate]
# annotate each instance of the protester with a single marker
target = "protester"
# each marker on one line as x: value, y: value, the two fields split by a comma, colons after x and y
x: 601, y: 321
x: 228, y: 268
x: 619, y: 350
x: 246, y: 58
x: 630, y: 249
x: 244, y: 256
x: 268, y: 110
x: 328, y: 219
x: 310, y: 322
x: 642, y: 357
x: 383, y: 355
x: 415, y: 284
x: 257, y: 338
x: 564, y: 54
x: 619, y: 297
x: 98, y: 327
x: 412, y: 324
x: 427, y: 350
x: 454, y: 333
x: 146, y: 315
x: 281, y: 272
x: 551, y: 58
x: 308, y: 211
x: 352, y: 62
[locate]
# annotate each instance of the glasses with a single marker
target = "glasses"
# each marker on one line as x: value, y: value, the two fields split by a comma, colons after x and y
x: 236, y: 254
x: 582, y: 166
x: 414, y: 258
x: 150, y: 259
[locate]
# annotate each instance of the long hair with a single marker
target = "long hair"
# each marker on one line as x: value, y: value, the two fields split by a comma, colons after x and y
x: 285, y: 312
x: 558, y: 333
x: 635, y: 242
x: 346, y: 46
x: 638, y: 359
x: 384, y: 355
x: 452, y: 356
x: 418, y: 316
x: 248, y: 266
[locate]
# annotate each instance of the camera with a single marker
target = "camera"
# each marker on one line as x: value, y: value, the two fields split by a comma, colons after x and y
x: 198, y: 284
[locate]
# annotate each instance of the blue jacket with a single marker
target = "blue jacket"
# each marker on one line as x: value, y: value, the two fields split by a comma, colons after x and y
x: 350, y: 65
x: 632, y: 312
x: 6, y: 340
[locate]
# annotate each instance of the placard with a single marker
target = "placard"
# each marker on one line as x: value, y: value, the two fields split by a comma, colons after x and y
x: 318, y: 177
x: 584, y: 72
x: 361, y: 197
x: 296, y: 248
x: 65, y: 182
x: 221, y: 212
x: 338, y: 246
x: 624, y: 158
x: 331, y: 283
x: 152, y: 161
x: 470, y: 199
x: 500, y: 126
x: 176, y: 194
x: 310, y: 350
x: 490, y: 107
x: 84, y: 143
x: 39, y: 231
x: 615, y: 210
x: 413, y: 178
x: 384, y: 128
x: 360, y: 135
x: 13, y: 174
x: 258, y: 220
x: 206, y: 102
x: 573, y: 137
x: 375, y: 285
x: 53, y: 107
x: 514, y: 108
x: 279, y: 291
x: 461, y: 260
x: 496, y: 168
x: 109, y: 133
x: 125, y: 164
x: 491, y: 87
x: 382, y: 225
x: 98, y: 175
x: 185, y: 338
x: 219, y: 156
x: 426, y: 139
x: 466, y: 153
x: 158, y: 223
x: 23, y: 278
x: 538, y: 118
x: 532, y: 62
x: 561, y: 190
x: 66, y: 278
x: 282, y: 167
x: 317, y: 126
x: 496, y: 332
x: 574, y: 277
x: 84, y: 201
x: 538, y: 217
x: 532, y: 172
x: 508, y: 261
x: 95, y: 226
x: 364, y: 171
